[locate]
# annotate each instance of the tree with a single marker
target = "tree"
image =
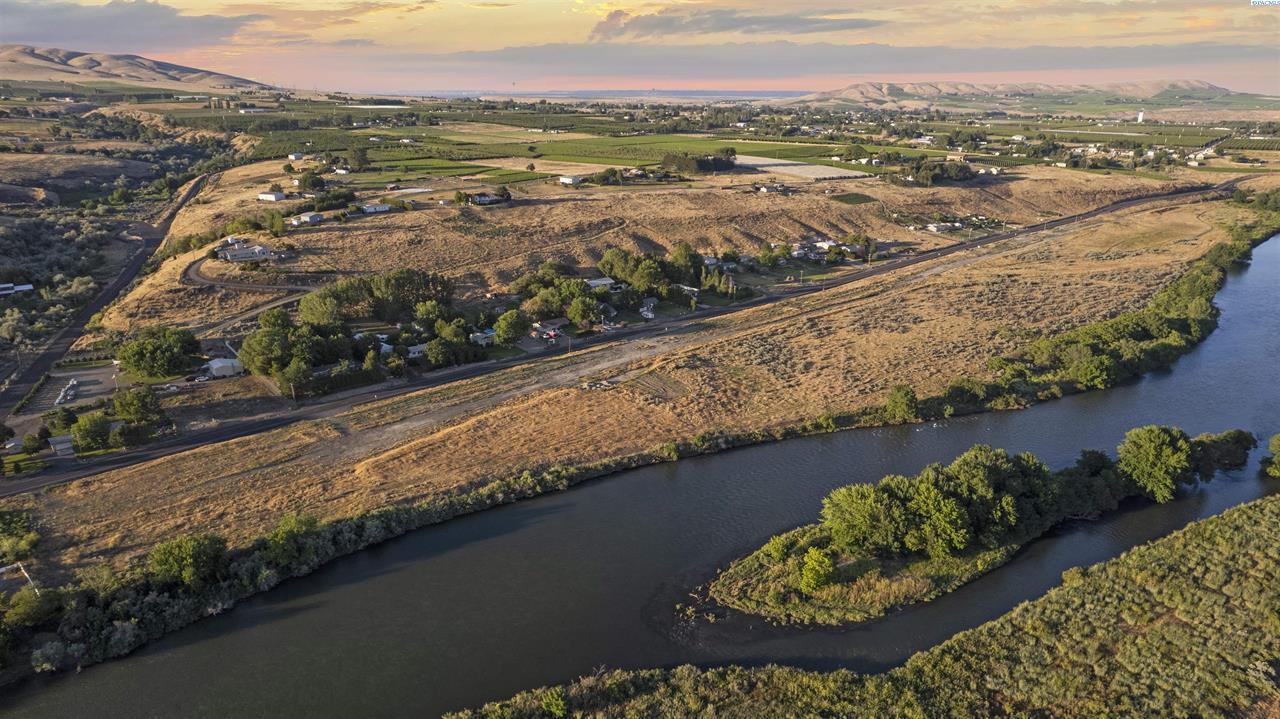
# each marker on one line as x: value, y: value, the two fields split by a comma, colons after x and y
x: 266, y: 351
x: 817, y: 571
x: 359, y: 158
x: 193, y: 560
x: 530, y: 167
x: 31, y: 444
x: 428, y: 312
x: 942, y: 525
x: 510, y: 327
x: 286, y: 545
x: 136, y: 405
x: 583, y: 312
x: 1157, y: 459
x: 439, y: 353
x: 295, y: 376
x: 321, y: 310
x: 902, y: 405
x: 6, y: 433
x: 91, y: 431
x: 1272, y: 463
x: 686, y: 263
x: 867, y: 518
x: 461, y: 198
x: 159, y: 351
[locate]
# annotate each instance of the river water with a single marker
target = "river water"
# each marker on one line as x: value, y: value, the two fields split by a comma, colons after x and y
x: 549, y: 589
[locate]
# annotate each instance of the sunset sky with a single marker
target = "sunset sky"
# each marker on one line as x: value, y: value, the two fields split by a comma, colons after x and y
x: 535, y: 45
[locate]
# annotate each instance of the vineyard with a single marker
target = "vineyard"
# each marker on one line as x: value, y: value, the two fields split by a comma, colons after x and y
x: 1242, y: 143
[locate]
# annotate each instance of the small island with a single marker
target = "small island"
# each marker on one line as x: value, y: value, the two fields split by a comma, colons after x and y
x: 906, y: 540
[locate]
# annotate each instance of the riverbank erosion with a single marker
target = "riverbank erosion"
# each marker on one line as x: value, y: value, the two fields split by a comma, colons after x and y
x: 536, y: 437
x: 1183, y: 626
x: 906, y: 540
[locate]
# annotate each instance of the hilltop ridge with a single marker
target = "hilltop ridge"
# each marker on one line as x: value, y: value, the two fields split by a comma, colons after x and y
x: 25, y: 62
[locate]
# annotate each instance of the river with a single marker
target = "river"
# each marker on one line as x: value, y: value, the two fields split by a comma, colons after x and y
x: 549, y: 589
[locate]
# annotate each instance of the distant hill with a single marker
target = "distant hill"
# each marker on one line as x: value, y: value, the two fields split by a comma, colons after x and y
x: 23, y: 62
x: 1027, y: 96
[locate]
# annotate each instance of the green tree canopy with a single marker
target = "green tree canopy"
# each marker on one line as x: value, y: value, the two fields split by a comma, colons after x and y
x: 510, y: 327
x: 159, y: 351
x: 91, y: 431
x: 1157, y: 459
x: 194, y: 560
x: 902, y: 405
x: 137, y: 405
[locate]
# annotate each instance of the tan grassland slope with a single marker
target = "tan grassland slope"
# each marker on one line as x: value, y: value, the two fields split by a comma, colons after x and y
x: 24, y: 62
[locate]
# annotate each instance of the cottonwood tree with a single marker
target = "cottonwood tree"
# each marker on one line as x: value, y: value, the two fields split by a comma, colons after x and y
x: 1157, y: 459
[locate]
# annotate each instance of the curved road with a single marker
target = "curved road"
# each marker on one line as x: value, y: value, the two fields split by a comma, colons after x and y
x: 152, y: 236
x: 65, y: 470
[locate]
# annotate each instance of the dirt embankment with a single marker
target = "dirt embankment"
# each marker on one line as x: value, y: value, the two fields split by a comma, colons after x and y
x: 757, y: 369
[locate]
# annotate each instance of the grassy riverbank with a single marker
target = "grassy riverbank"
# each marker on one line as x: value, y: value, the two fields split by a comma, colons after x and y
x: 908, y: 540
x: 106, y: 614
x: 1183, y: 626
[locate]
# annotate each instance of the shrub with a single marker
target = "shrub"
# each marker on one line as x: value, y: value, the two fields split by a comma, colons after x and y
x: 193, y: 561
x: 902, y: 405
x: 817, y: 571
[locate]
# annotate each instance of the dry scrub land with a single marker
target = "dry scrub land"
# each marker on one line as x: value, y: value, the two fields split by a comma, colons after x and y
x: 757, y: 369
x: 67, y: 170
x: 484, y: 248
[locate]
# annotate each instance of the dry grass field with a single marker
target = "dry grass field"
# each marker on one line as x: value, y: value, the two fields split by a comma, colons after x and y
x: 162, y: 298
x: 756, y: 369
x: 485, y: 248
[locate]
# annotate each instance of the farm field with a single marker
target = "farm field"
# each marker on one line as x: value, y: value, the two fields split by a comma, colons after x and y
x: 757, y: 369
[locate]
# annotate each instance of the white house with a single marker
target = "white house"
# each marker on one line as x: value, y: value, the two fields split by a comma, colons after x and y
x: 1019, y: 138
x: 482, y: 339
x: 307, y: 218
x: 241, y: 252
x: 417, y: 351
x: 342, y: 171
x: 225, y: 367
x: 375, y: 208
x: 270, y: 196
x: 570, y: 180
x: 296, y: 156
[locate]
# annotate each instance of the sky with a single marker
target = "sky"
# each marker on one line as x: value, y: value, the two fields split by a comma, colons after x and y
x: 528, y: 46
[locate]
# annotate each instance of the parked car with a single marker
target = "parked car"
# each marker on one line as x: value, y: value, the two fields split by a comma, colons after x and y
x: 202, y: 378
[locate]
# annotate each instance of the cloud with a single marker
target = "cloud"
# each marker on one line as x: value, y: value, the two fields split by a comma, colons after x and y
x: 117, y: 26
x: 489, y: 5
x: 578, y: 62
x: 677, y: 21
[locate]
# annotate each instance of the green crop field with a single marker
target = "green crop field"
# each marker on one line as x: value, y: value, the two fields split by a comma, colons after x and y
x: 1243, y: 143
